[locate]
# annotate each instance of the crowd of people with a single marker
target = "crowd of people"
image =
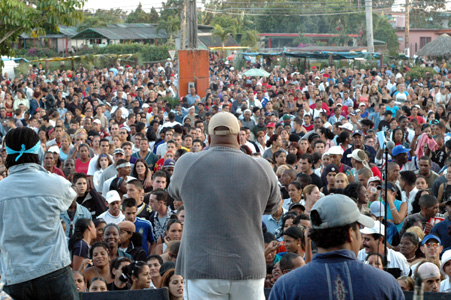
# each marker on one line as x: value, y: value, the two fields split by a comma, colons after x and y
x: 115, y: 136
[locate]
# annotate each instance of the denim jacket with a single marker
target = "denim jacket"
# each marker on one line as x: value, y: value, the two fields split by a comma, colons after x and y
x: 80, y: 212
x: 32, y: 240
x: 336, y: 275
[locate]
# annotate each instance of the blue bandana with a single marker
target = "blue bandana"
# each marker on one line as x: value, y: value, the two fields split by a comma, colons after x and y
x: 34, y: 150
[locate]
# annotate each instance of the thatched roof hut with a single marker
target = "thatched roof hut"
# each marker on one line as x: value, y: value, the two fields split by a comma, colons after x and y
x: 440, y: 47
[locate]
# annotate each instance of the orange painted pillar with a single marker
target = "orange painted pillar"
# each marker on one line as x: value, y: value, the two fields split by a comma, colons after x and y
x: 193, y: 67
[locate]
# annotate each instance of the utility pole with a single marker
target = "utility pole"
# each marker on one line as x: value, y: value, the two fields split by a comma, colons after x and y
x: 183, y: 26
x: 369, y: 25
x: 406, y: 30
x: 191, y: 22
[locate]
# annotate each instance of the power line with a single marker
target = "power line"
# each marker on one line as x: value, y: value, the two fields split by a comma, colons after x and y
x: 287, y: 15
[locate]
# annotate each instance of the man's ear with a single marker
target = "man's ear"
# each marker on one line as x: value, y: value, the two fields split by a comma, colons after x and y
x: 351, y: 234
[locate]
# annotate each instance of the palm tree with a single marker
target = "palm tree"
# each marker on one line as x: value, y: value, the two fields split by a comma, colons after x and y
x: 171, y: 25
x: 221, y: 33
x: 249, y: 38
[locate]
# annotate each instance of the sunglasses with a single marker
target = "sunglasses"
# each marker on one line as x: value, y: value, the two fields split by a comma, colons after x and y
x: 432, y: 245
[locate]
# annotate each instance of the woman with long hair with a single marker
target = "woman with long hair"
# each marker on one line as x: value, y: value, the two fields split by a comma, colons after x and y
x: 326, y: 135
x: 66, y: 145
x: 344, y: 140
x: 311, y: 196
x: 103, y: 162
x: 375, y: 97
x: 274, y: 144
x: 173, y: 232
x: 139, y: 274
x: 364, y: 97
x: 295, y: 193
x: 84, y: 233
x: 261, y: 144
x: 174, y: 283
x: 295, y: 149
x: 385, y: 95
x: 8, y: 104
x: 398, y: 137
x: 140, y: 171
x: 116, y: 142
x: 357, y: 192
x: 95, y: 144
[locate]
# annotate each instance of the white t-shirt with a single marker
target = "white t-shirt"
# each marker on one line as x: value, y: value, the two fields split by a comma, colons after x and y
x: 109, y: 218
x: 395, y: 260
x: 92, y: 168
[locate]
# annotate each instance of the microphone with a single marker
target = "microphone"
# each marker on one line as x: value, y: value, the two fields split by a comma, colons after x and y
x: 418, y: 292
x: 390, y: 145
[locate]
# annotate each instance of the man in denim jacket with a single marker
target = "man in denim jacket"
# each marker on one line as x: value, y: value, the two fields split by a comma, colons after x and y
x: 34, y: 258
x: 335, y: 272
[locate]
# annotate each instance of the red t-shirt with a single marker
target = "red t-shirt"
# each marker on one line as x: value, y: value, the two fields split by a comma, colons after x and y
x: 308, y: 128
x: 81, y: 167
x: 419, y: 118
x: 58, y: 172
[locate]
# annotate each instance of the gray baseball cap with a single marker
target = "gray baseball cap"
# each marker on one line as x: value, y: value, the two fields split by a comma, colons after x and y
x: 337, y: 210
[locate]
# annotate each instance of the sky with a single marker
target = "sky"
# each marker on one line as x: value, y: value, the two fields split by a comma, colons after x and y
x: 124, y: 5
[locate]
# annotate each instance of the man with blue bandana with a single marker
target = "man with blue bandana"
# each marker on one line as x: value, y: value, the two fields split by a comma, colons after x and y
x: 34, y: 259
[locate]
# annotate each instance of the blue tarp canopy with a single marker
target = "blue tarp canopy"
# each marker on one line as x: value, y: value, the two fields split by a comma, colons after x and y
x: 317, y: 54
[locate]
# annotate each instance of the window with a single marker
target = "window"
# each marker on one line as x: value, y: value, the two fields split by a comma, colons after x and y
x: 424, y: 41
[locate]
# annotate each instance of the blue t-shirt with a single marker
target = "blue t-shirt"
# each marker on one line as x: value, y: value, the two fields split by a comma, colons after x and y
x: 397, y: 204
x: 393, y: 109
x: 81, y: 248
x: 441, y: 230
x: 144, y: 227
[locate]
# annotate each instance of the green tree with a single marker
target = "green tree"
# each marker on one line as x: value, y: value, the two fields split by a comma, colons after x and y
x: 302, y: 39
x: 101, y: 18
x: 221, y: 33
x: 154, y: 16
x: 249, y: 38
x: 384, y: 31
x: 171, y: 8
x: 138, y: 16
x: 426, y: 14
x: 171, y: 25
x: 34, y: 17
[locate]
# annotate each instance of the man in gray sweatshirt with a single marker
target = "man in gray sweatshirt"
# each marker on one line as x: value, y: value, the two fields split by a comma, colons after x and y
x: 225, y: 193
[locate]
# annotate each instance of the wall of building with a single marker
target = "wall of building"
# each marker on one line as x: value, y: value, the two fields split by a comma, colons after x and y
x: 417, y: 39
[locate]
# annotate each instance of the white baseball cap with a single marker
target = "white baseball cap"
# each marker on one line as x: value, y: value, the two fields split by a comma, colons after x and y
x: 377, y: 228
x: 337, y: 150
x: 112, y: 196
x: 346, y: 126
x: 445, y: 258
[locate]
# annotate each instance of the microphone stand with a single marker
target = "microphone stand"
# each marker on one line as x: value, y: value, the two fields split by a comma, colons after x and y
x: 386, y: 205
